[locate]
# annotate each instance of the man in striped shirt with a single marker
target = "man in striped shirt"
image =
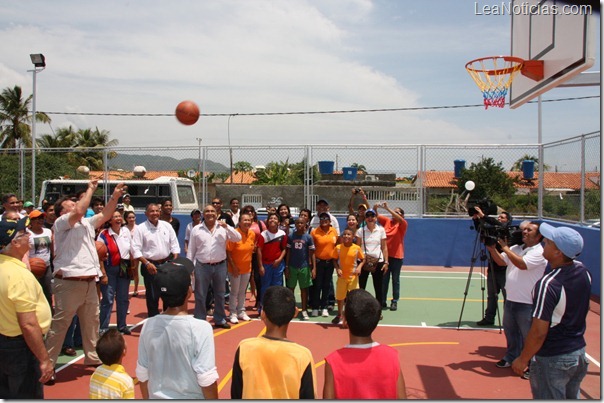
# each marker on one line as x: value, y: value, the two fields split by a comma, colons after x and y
x: 555, y: 343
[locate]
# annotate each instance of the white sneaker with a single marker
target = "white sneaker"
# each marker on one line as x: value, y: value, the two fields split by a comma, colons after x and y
x: 305, y: 315
x: 243, y: 316
x: 314, y: 312
x: 325, y: 313
x: 233, y: 319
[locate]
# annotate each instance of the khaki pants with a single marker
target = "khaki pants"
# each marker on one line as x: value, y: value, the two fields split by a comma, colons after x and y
x: 73, y: 297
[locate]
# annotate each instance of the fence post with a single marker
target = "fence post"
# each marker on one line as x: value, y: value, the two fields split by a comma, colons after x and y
x: 582, y: 194
x: 419, y: 181
x: 541, y: 184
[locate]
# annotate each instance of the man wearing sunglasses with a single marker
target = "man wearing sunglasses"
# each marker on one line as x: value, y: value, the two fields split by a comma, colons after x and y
x: 222, y: 216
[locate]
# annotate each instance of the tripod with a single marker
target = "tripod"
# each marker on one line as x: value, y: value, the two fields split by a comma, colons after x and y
x: 479, y: 252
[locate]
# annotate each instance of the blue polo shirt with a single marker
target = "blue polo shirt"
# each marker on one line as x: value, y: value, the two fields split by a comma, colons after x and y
x: 561, y: 297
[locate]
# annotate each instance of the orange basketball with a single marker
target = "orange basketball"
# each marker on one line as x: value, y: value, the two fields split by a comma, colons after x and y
x: 37, y: 266
x: 101, y: 249
x: 187, y: 112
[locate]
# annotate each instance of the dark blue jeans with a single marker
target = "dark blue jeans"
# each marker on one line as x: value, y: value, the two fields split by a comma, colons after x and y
x: 559, y: 376
x: 73, y: 337
x: 517, y: 321
x: 116, y: 290
x: 19, y: 371
x: 394, y: 270
x: 320, y: 289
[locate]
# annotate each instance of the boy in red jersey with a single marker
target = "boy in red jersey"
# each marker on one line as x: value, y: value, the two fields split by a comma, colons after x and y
x: 377, y: 364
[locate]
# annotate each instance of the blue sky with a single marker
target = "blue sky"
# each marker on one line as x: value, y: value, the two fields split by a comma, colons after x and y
x: 275, y: 56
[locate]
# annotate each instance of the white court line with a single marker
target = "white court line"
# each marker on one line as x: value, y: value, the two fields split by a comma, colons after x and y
x: 592, y: 360
x: 441, y: 277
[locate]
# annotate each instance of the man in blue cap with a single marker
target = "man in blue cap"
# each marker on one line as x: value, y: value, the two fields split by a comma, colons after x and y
x: 555, y: 343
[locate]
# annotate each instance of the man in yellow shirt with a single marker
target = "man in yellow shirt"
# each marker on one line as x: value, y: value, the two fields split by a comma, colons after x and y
x: 24, y: 319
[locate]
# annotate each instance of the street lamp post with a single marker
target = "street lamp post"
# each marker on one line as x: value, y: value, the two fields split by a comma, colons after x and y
x: 39, y: 63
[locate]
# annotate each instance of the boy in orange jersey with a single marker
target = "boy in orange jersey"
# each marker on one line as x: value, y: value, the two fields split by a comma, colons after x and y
x: 271, y: 366
x: 346, y: 255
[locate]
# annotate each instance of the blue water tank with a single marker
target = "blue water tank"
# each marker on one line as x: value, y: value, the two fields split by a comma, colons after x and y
x: 325, y: 167
x: 528, y: 169
x: 460, y: 165
x: 350, y: 173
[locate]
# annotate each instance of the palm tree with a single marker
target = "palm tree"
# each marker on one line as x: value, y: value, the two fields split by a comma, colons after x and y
x: 359, y: 167
x: 63, y: 138
x: 15, y: 119
x: 88, y: 138
x: 243, y: 166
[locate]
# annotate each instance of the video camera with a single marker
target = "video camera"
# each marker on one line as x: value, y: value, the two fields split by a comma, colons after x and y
x: 487, y: 206
x: 493, y: 230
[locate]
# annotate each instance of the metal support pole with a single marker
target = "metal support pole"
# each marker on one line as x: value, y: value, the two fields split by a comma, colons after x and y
x: 33, y: 142
x: 541, y: 173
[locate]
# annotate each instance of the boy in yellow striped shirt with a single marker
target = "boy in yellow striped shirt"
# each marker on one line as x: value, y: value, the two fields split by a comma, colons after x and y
x: 110, y: 380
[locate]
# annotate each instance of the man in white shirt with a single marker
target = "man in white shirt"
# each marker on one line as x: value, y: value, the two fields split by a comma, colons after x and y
x: 526, y: 265
x: 153, y: 243
x: 207, y: 249
x: 77, y: 269
x: 323, y: 207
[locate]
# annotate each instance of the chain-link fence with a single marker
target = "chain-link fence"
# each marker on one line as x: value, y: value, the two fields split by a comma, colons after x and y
x: 421, y: 179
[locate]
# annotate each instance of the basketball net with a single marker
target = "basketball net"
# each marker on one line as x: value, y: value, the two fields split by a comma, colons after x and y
x: 494, y: 75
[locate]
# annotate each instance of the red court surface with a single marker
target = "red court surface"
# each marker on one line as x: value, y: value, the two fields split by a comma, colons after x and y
x: 437, y: 363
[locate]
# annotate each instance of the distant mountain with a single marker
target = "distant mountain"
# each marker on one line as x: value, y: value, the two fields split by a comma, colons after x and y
x: 161, y: 163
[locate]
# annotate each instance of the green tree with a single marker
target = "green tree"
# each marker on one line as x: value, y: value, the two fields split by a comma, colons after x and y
x: 359, y: 167
x: 280, y: 173
x: 243, y: 166
x: 518, y: 164
x: 491, y: 181
x: 15, y: 119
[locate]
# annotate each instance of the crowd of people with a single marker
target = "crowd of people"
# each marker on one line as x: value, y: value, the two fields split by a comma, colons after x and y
x: 92, y: 251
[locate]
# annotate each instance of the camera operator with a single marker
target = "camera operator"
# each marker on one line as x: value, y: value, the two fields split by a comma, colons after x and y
x: 496, y: 273
x: 526, y: 265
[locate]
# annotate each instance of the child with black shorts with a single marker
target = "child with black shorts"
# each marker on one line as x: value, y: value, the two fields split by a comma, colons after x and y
x: 364, y: 369
x: 300, y: 266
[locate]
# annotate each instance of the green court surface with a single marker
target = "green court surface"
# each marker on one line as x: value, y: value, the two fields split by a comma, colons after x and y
x: 432, y: 298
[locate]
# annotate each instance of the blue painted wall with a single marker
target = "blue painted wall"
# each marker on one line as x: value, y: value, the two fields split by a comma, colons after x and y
x: 450, y: 241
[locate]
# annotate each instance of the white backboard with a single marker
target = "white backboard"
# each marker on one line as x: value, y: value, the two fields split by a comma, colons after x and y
x: 560, y: 34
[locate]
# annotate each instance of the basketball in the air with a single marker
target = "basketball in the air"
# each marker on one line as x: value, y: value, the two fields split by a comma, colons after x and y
x: 187, y: 112
x: 37, y: 266
x: 101, y: 249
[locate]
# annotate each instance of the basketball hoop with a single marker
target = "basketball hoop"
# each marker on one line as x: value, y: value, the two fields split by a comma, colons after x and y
x: 494, y: 75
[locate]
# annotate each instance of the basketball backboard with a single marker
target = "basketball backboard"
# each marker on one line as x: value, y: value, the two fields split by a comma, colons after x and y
x: 560, y: 34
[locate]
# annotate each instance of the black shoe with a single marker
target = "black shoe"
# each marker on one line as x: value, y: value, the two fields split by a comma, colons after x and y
x: 503, y: 364
x: 526, y: 375
x: 384, y: 305
x: 485, y: 322
x: 336, y: 320
x: 51, y: 381
x: 393, y: 306
x: 125, y: 331
x: 224, y: 325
